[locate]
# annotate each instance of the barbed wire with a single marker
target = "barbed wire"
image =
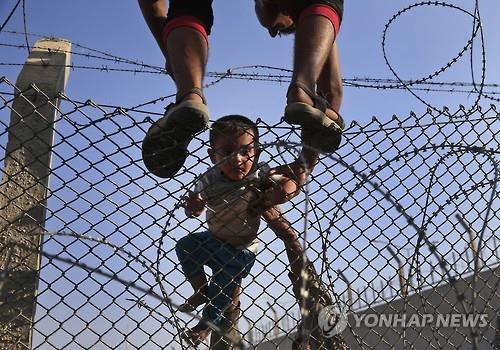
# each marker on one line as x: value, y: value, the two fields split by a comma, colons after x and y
x: 369, y: 83
x: 9, y: 16
x: 25, y: 27
x: 98, y: 54
x: 363, y: 178
x: 400, y: 84
x: 366, y: 179
x: 477, y: 28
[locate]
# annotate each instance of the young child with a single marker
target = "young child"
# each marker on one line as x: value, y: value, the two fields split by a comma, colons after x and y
x: 235, y: 192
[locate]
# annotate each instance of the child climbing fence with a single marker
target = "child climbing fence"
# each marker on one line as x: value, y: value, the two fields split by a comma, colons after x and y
x: 401, y: 219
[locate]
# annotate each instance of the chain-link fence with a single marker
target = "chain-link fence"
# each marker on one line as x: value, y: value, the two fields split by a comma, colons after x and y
x: 401, y: 220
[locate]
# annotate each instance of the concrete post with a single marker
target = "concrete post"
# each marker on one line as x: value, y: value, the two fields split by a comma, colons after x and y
x: 23, y: 191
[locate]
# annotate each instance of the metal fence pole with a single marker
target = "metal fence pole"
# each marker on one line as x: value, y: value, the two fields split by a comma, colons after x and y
x: 23, y: 191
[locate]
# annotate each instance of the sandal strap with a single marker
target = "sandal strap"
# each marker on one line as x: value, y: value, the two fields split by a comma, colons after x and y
x: 340, y: 120
x: 196, y: 91
x: 319, y: 102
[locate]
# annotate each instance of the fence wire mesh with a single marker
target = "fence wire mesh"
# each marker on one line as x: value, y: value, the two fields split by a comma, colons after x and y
x: 402, y: 219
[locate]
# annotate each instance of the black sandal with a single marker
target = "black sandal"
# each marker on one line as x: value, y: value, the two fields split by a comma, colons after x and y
x: 319, y: 131
x: 164, y: 149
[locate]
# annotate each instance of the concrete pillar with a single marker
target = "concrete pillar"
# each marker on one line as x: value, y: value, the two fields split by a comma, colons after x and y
x: 23, y: 191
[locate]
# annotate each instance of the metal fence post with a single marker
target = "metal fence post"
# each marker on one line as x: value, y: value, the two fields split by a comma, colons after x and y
x: 23, y: 191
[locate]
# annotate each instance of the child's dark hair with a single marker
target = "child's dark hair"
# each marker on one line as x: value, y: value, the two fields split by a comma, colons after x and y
x: 231, y: 124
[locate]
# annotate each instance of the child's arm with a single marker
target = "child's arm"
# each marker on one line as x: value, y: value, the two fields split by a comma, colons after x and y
x: 285, y: 181
x: 196, y: 200
x: 278, y: 223
x: 194, y: 204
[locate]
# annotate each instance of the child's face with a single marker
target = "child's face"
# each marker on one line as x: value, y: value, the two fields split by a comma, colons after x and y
x: 235, y: 154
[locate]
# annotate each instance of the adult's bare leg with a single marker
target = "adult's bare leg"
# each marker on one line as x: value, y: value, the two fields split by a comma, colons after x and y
x: 314, y: 39
x: 165, y: 147
x: 330, y: 79
x: 185, y: 50
x: 187, y: 55
x: 155, y: 14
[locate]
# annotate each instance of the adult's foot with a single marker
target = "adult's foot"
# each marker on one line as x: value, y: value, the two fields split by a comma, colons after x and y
x: 164, y: 149
x: 297, y: 94
x: 321, y: 126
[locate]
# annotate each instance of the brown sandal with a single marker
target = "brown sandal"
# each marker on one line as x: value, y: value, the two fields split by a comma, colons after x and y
x: 319, y: 131
x: 164, y: 149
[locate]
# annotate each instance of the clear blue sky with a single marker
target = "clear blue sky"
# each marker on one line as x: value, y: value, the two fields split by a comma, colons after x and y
x: 418, y: 43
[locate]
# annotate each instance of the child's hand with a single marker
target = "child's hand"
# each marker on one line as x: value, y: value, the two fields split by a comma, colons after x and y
x: 194, y: 204
x: 263, y: 200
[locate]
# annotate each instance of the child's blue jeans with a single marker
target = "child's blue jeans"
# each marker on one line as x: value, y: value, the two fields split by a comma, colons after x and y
x: 229, y: 266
